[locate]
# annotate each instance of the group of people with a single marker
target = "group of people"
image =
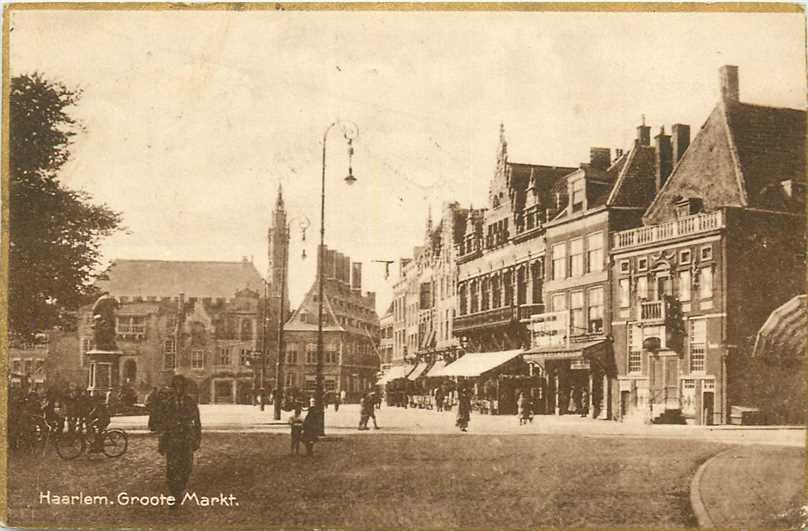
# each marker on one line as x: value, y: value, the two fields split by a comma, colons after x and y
x: 578, y: 401
x: 69, y: 409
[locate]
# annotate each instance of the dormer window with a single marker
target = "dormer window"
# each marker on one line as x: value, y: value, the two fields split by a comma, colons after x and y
x: 687, y: 207
x: 578, y: 195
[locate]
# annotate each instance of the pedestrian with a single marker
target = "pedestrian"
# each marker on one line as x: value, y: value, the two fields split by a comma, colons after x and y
x: 584, y: 402
x: 296, y: 423
x: 572, y: 408
x: 439, y: 397
x: 97, y: 421
x: 372, y: 409
x: 311, y: 427
x: 180, y: 437
x: 364, y: 414
x: 336, y: 402
x: 525, y: 414
x: 464, y: 410
x: 152, y: 403
x: 261, y: 399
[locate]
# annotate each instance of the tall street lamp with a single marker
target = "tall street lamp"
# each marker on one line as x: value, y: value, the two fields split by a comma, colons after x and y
x: 279, y: 383
x: 349, y: 132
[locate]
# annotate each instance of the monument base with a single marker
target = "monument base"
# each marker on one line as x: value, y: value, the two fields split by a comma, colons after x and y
x: 104, y: 370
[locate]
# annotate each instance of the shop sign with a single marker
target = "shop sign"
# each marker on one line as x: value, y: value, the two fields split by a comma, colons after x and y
x: 549, y: 329
x: 579, y: 364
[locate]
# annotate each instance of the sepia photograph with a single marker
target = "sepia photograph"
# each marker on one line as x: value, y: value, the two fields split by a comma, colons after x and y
x: 399, y: 266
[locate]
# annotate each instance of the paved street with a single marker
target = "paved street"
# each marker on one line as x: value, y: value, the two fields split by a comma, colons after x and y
x: 421, y: 421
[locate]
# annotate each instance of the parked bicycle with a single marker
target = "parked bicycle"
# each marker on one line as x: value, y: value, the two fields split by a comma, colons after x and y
x: 112, y: 443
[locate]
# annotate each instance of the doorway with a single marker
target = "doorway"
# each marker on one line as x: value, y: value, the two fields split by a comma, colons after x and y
x: 708, y: 399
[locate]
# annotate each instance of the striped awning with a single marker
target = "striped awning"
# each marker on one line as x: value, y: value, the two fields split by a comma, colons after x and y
x: 394, y: 373
x: 784, y: 332
x: 419, y: 370
x: 436, y: 369
x: 474, y: 364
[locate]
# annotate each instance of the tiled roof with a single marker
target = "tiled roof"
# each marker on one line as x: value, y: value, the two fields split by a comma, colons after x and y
x: 738, y: 159
x: 161, y: 278
x: 636, y: 172
x: 770, y: 146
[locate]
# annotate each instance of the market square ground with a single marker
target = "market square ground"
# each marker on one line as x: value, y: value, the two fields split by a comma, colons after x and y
x: 390, y: 480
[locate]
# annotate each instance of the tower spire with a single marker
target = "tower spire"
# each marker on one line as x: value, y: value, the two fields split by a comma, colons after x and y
x: 279, y: 199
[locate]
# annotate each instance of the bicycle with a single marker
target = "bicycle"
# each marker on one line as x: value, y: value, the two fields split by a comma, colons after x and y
x: 70, y: 445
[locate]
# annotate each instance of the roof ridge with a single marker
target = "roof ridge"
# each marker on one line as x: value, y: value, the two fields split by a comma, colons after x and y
x: 733, y: 150
x: 762, y: 106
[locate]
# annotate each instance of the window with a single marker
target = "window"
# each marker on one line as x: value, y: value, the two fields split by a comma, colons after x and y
x: 596, y: 310
x: 29, y: 366
x: 642, y: 264
x: 634, y: 349
x: 578, y: 195
x: 485, y: 285
x: 642, y: 288
x: 707, y: 252
x: 537, y: 272
x: 291, y: 379
x: 559, y: 302
x: 496, y: 292
x: 311, y: 353
x: 507, y: 279
x: 594, y: 252
x: 246, y: 329
x: 576, y: 257
x: 291, y: 353
x: 169, y: 354
x: 463, y: 300
x: 331, y: 353
x: 559, y: 261
x: 684, y: 286
x: 475, y: 296
x: 223, y: 357
x: 684, y: 256
x: 625, y: 267
x: 577, y: 313
x: 131, y: 324
x: 706, y: 283
x: 15, y: 366
x: 244, y: 358
x: 197, y: 359
x: 521, y: 285
x: 698, y: 340
x: 624, y: 292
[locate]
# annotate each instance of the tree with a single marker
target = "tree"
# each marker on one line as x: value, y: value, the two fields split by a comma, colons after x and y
x: 54, y: 232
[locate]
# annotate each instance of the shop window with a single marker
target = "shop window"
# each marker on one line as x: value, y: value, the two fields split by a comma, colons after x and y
x: 634, y: 349
x: 594, y: 252
x: 698, y: 344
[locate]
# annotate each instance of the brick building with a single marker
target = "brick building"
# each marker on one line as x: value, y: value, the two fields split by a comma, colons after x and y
x: 350, y: 333
x: 721, y: 246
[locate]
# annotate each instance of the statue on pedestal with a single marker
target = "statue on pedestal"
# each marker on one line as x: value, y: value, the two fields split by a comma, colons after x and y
x: 104, y: 322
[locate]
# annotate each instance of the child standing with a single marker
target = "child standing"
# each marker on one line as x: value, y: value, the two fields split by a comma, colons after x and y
x: 296, y: 421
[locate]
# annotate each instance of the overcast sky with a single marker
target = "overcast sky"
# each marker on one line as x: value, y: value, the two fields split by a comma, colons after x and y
x: 193, y: 118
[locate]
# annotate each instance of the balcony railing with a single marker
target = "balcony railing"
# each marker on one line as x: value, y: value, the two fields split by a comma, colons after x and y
x: 668, y: 231
x: 652, y: 311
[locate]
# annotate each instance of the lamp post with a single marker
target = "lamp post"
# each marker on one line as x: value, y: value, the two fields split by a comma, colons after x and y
x: 349, y: 131
x: 279, y: 384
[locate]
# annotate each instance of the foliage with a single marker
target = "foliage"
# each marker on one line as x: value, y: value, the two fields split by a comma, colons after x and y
x: 54, y: 232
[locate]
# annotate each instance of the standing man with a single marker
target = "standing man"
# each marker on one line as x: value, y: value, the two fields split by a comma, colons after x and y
x: 180, y: 437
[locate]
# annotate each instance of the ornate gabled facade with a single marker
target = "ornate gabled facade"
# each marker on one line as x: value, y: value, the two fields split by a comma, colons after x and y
x: 723, y: 244
x: 501, y: 257
x: 351, y: 333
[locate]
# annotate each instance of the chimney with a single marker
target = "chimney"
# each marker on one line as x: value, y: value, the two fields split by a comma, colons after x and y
x: 356, y: 276
x: 600, y: 158
x: 681, y: 139
x: 663, y: 155
x: 643, y: 134
x: 729, y: 83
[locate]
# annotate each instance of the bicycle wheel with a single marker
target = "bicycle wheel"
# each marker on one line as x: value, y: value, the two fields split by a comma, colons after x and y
x: 70, y: 445
x: 115, y: 443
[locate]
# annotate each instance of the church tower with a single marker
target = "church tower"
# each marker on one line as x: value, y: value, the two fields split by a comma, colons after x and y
x: 278, y: 253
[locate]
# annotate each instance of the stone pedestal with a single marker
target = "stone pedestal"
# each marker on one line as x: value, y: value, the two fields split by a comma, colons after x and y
x: 104, y: 370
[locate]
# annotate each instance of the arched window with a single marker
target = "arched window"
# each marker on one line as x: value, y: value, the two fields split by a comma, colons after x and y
x: 246, y: 329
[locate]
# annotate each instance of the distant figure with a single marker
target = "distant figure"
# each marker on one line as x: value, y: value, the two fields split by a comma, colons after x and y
x: 584, y: 402
x: 180, y: 437
x: 336, y: 402
x: 260, y: 398
x: 439, y: 398
x: 525, y: 415
x: 365, y: 408
x: 104, y: 322
x: 572, y: 408
x: 464, y: 410
x: 311, y: 427
x: 98, y: 420
x: 296, y: 423
x: 152, y: 404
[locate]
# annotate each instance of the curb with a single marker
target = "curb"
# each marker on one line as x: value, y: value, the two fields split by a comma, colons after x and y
x: 696, y: 501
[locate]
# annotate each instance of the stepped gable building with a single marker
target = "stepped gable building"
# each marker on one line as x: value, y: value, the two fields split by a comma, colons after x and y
x: 570, y: 344
x: 721, y: 246
x: 199, y: 319
x: 500, y: 260
x: 351, y: 333
x: 424, y: 299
